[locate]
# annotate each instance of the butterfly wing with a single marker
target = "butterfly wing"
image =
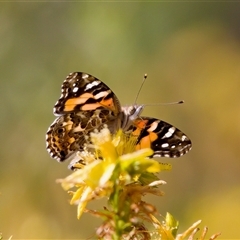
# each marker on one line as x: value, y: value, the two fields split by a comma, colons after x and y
x: 85, y: 104
x: 65, y: 136
x: 163, y: 138
x: 83, y: 92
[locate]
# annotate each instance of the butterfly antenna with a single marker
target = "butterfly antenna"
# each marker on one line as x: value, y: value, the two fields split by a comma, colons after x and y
x: 144, y: 79
x: 171, y: 103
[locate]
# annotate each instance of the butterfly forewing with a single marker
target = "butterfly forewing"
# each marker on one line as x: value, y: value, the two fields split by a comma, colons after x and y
x: 83, y: 92
x: 165, y: 139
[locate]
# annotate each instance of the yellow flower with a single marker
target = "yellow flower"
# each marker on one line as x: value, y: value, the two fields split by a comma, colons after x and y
x: 114, y: 160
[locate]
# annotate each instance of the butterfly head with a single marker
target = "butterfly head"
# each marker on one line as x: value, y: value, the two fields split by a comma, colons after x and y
x: 133, y: 111
x: 130, y: 114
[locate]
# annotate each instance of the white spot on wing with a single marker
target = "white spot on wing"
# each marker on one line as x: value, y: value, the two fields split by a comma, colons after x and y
x: 101, y: 94
x: 75, y: 89
x: 91, y: 85
x: 154, y: 125
x: 164, y: 145
x: 184, y: 138
x: 170, y: 132
x: 85, y: 75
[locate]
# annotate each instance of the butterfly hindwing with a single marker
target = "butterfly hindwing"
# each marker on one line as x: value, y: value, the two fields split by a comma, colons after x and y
x: 69, y: 132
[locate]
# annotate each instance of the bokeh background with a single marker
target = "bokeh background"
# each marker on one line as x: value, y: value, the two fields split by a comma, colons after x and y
x: 190, y: 50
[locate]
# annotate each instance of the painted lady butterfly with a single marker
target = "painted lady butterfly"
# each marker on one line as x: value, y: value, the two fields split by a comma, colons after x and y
x: 86, y: 103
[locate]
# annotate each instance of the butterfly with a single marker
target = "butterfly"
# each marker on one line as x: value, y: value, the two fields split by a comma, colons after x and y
x: 86, y: 103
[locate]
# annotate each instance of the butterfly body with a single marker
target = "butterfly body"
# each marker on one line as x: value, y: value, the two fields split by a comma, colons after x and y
x: 86, y: 103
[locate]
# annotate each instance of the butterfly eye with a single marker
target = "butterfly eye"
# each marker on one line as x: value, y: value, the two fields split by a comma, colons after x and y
x: 132, y: 111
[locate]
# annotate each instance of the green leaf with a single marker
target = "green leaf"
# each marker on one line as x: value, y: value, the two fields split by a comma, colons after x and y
x: 172, y: 223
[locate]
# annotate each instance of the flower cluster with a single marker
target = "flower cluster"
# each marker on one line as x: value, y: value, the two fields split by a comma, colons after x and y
x: 116, y: 171
x: 111, y: 167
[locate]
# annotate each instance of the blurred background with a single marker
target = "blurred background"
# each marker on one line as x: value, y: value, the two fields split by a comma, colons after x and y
x: 191, y: 51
